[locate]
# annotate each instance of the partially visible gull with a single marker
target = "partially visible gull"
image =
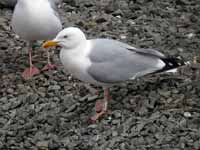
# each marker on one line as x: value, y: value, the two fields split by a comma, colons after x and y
x: 106, y: 62
x: 12, y: 3
x: 36, y: 20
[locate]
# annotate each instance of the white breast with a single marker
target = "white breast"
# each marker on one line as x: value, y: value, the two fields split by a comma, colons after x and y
x: 76, y: 62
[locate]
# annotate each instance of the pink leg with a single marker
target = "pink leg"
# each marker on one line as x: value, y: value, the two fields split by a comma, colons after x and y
x: 32, y: 70
x: 49, y: 65
x: 101, y: 106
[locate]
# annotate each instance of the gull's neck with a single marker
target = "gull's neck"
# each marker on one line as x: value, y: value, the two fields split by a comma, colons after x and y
x: 81, y: 50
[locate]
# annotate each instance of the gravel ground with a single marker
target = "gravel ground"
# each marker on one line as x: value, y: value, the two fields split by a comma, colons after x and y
x: 51, y: 110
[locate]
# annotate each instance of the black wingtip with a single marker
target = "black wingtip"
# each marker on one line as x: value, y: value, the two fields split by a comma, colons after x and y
x: 172, y: 63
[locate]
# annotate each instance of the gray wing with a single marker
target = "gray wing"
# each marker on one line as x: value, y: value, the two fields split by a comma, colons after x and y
x: 53, y: 4
x: 113, y: 61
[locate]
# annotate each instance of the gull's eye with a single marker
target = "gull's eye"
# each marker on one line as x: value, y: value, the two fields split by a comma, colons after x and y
x: 65, y: 37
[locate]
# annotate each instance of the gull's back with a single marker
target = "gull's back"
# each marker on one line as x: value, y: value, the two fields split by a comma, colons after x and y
x: 35, y: 20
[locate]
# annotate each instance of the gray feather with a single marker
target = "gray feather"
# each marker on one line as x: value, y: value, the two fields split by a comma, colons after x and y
x: 113, y: 61
x: 148, y: 52
x: 53, y: 4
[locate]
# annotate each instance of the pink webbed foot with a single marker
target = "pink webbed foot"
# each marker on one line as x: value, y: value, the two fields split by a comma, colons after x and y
x: 48, y: 67
x: 29, y: 72
x: 97, y: 116
x: 100, y: 108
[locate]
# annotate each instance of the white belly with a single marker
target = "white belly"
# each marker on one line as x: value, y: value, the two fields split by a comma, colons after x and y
x: 35, y: 22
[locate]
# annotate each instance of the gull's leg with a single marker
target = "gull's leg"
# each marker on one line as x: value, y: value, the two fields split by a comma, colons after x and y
x: 101, y: 106
x: 32, y: 70
x: 49, y: 65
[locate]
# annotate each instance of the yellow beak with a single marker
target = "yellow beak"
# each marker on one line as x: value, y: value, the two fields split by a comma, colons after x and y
x: 49, y: 43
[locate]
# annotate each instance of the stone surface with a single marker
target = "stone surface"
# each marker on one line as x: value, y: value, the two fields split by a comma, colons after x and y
x: 51, y: 110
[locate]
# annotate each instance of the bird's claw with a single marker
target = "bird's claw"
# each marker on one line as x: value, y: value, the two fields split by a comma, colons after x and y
x: 100, y: 108
x: 29, y: 72
x: 48, y: 67
x: 97, y: 116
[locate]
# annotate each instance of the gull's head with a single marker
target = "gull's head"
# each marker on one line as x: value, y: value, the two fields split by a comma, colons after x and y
x: 68, y: 38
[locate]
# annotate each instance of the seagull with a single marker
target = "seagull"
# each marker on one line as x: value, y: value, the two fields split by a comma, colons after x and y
x: 36, y: 20
x: 12, y: 3
x: 106, y: 62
